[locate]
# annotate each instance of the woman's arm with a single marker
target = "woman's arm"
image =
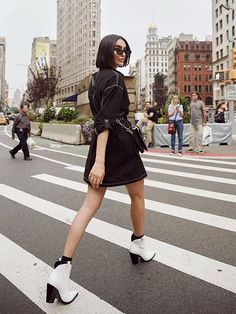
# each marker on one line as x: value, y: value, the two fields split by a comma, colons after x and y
x: 97, y: 172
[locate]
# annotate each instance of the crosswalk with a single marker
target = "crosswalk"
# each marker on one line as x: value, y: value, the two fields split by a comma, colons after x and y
x: 218, y: 176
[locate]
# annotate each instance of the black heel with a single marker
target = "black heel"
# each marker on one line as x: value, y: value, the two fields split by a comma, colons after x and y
x: 134, y: 258
x: 51, y: 293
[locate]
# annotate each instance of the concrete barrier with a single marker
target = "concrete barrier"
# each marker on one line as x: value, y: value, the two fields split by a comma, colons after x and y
x: 35, y: 128
x: 64, y: 133
x: 221, y: 134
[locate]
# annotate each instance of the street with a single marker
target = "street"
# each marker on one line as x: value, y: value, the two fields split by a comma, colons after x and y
x: 190, y: 222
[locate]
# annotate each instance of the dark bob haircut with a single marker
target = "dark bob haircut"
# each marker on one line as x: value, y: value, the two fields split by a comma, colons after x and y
x: 105, y: 55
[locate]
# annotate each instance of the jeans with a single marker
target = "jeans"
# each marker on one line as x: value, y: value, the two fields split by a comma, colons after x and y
x: 179, y: 130
x: 22, y: 136
x: 195, y: 138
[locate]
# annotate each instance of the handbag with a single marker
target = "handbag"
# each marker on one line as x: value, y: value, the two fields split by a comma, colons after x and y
x: 31, y: 143
x: 137, y: 134
x: 171, y: 125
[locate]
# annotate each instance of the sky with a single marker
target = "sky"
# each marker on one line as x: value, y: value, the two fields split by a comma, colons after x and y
x: 22, y: 20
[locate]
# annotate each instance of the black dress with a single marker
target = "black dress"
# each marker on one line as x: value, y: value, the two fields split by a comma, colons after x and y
x: 109, y: 101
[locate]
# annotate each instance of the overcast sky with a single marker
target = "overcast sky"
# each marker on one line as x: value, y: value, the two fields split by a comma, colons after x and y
x: 21, y: 20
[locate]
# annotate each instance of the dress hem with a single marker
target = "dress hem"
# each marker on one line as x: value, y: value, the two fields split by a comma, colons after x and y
x: 119, y: 183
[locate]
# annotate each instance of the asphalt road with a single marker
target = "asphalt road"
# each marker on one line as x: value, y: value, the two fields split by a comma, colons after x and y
x: 190, y: 222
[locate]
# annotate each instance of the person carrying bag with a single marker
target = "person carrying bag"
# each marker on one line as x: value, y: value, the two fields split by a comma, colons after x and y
x: 175, y: 113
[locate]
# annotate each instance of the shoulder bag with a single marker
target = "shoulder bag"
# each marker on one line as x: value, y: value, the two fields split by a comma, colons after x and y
x: 171, y: 125
x: 137, y: 135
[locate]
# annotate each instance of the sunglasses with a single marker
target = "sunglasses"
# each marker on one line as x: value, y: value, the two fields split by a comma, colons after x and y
x: 120, y: 51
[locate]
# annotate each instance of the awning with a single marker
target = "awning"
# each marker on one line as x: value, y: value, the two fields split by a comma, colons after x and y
x: 72, y: 98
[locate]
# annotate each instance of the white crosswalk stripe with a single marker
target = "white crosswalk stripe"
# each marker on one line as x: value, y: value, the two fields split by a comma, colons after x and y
x: 207, y: 269
x: 210, y: 270
x: 182, y: 189
x: 197, y: 216
x: 189, y: 165
x: 30, y: 274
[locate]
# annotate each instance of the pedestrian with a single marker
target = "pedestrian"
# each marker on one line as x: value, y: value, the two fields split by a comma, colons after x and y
x: 113, y: 160
x: 138, y: 114
x: 220, y: 112
x: 198, y: 120
x: 175, y: 113
x: 150, y: 118
x: 21, y: 127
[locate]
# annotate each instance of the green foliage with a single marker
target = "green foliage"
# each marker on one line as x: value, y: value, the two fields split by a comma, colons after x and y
x: 67, y: 114
x: 184, y: 102
x: 81, y: 119
x: 32, y: 115
x: 49, y: 114
x: 14, y: 110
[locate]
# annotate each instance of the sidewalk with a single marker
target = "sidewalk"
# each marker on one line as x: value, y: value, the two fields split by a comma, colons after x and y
x: 209, y: 151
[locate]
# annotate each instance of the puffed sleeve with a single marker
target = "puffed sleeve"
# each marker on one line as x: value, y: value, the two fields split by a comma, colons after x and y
x: 110, y: 106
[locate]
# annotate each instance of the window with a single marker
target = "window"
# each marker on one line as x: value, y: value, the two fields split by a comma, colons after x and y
x: 197, y: 57
x: 189, y: 88
x: 217, y: 41
x: 185, y: 88
x: 233, y: 31
x: 216, y: 12
x: 217, y: 55
x: 232, y: 14
x: 221, y: 38
x: 222, y: 66
x: 221, y: 24
x: 227, y: 19
x: 227, y: 35
x: 199, y: 88
x: 186, y: 57
x: 221, y: 53
x: 217, y: 27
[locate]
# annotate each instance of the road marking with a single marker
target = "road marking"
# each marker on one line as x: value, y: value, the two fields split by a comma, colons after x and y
x: 50, y: 149
x: 188, y: 214
x: 181, y: 189
x: 192, y: 158
x: 176, y: 173
x: 192, y: 175
x: 189, y: 165
x: 196, y: 265
x: 29, y: 274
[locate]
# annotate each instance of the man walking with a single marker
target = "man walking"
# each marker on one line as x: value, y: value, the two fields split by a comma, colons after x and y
x: 21, y: 127
x: 198, y: 120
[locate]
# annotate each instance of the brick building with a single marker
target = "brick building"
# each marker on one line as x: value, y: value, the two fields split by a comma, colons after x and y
x: 193, y: 68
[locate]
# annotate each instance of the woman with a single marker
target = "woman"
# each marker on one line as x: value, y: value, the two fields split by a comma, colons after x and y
x: 175, y: 113
x: 113, y: 160
x: 220, y: 112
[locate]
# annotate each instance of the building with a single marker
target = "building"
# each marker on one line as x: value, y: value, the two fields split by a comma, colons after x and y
x: 78, y: 37
x: 156, y: 58
x: 16, y: 98
x: 169, y: 80
x: 2, y: 71
x: 224, y: 39
x: 43, y: 52
x: 193, y: 68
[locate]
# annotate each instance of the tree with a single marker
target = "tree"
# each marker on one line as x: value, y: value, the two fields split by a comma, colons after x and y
x: 43, y: 88
x: 159, y: 90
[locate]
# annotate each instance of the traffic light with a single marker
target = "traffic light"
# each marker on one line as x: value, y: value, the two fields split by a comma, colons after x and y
x: 234, y: 58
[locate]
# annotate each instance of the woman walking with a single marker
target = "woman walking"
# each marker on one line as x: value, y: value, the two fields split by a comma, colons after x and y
x: 113, y: 160
x: 175, y: 112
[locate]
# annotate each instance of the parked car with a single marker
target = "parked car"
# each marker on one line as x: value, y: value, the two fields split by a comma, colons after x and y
x: 7, y: 118
x: 3, y: 120
x: 11, y: 115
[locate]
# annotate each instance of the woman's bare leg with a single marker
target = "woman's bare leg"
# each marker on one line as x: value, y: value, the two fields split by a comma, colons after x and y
x: 89, y: 208
x: 136, y: 193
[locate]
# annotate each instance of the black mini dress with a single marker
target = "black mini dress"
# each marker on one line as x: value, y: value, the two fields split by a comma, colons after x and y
x: 109, y: 101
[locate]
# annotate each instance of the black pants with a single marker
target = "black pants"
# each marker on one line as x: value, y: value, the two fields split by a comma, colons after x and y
x: 22, y: 135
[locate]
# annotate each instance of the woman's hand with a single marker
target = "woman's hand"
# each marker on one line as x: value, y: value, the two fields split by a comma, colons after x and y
x: 97, y: 174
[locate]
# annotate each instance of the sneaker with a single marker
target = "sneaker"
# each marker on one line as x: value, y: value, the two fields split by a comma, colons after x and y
x: 200, y: 151
x: 172, y: 153
x: 179, y: 154
x: 190, y: 149
x: 28, y: 158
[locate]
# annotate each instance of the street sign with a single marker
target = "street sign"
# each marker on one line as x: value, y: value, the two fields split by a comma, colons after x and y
x: 219, y: 76
x: 231, y: 92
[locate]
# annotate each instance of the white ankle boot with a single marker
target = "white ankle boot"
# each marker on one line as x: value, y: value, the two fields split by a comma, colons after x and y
x: 57, y: 286
x: 138, y: 251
